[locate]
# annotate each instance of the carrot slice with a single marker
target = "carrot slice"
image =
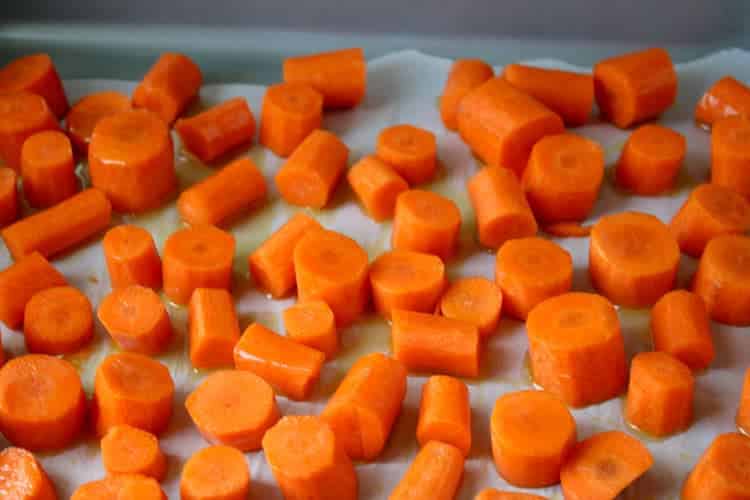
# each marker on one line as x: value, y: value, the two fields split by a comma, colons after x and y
x: 603, y: 465
x: 410, y: 150
x: 21, y: 116
x: 377, y: 185
x: 576, y: 348
x: 47, y: 168
x: 743, y: 411
x: 465, y: 75
x: 475, y: 300
x: 129, y: 450
x: 214, y: 328
x: 217, y: 130
x: 124, y: 487
x: 86, y: 113
x: 567, y: 229
x: 726, y: 97
x: 563, y: 177
x: 225, y: 415
x: 500, y: 206
x: 313, y: 324
x: 445, y: 413
x: 340, y: 75
x: 42, y: 405
x: 20, y: 281
x: 651, y: 159
x: 730, y: 156
x: 8, y: 196
x: 58, y: 320
x: 36, y: 74
x: 366, y: 404
x: 170, y: 85
x: 132, y: 161
x: 22, y: 477
x: 217, y: 472
x: 426, y: 222
x: 434, y: 474
x: 132, y: 258
x: 493, y: 494
x: 635, y: 87
x: 722, y: 470
x: 132, y: 389
x: 291, y: 111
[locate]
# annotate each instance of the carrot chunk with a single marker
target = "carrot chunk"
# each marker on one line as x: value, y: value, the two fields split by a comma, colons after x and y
x: 493, y: 494
x: 20, y: 281
x: 410, y: 150
x: 214, y: 328
x: 22, y: 477
x: 129, y: 450
x: 465, y: 75
x: 340, y: 75
x: 722, y: 470
x: 434, y: 474
x: 8, y: 196
x: 650, y: 160
x: 58, y: 320
x: 86, y: 113
x: 47, y: 169
x: 313, y: 324
x: 291, y: 112
x: 475, y: 300
x: 743, y: 411
x: 426, y: 222
x: 730, y: 154
x: 215, y: 473
x: 445, y: 413
x: 377, y: 185
x: 132, y: 258
x: 36, y: 74
x: 124, y: 487
x: 21, y: 116
x: 726, y: 97
x: 172, y: 83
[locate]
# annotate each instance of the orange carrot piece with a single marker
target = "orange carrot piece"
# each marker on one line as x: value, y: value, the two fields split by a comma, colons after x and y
x: 650, y: 160
x: 290, y: 367
x: 22, y: 477
x: 340, y: 75
x: 410, y: 150
x: 42, y: 404
x: 8, y: 196
x: 217, y: 130
x: 445, y: 413
x: 35, y: 74
x: 501, y: 124
x: 500, y: 206
x: 434, y: 474
x: 730, y: 156
x: 633, y: 258
x: 635, y: 87
x: 426, y: 222
x: 567, y: 229
x: 172, y: 83
x: 123, y: 487
x: 493, y: 494
x: 132, y: 161
x: 86, y: 113
x: 291, y: 111
x: 742, y: 418
x: 132, y: 389
x: 20, y: 281
x: 377, y: 185
x: 129, y: 450
x: 21, y: 116
x: 225, y: 415
x: 215, y: 473
x: 58, y: 320
x: 365, y: 406
x: 198, y: 257
x: 465, y: 75
x: 475, y: 300
x: 721, y: 472
x: 47, y: 169
x: 132, y: 258
x: 214, y: 328
x: 313, y: 324
x: 576, y: 348
x: 726, y: 97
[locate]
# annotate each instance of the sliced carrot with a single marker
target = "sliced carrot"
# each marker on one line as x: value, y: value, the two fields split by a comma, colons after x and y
x: 680, y: 327
x: 576, y: 348
x: 47, y: 169
x: 633, y: 258
x: 475, y: 300
x: 229, y: 192
x: 435, y: 474
x: 58, y: 320
x: 129, y: 450
x: 445, y: 413
x: 86, y: 113
x: 8, y: 196
x: 726, y: 97
x: 132, y: 258
x: 743, y: 411
x: 124, y: 487
x: 501, y: 124
x: 217, y: 130
x: 22, y: 477
x: 42, y: 404
x: 214, y: 328
x: 635, y: 87
x: 493, y: 494
x: 426, y: 222
x: 500, y: 206
x: 567, y: 229
x: 730, y: 154
x: 377, y: 185
x: 132, y: 389
x: 36, y: 74
x: 290, y: 367
x: 21, y: 116
x: 313, y: 324
x: 172, y: 83
x: 215, y: 473
x: 651, y: 159
x: 722, y: 470
x: 340, y: 75
x: 563, y: 177
x: 410, y: 150
x: 198, y: 257
x: 308, y: 461
x: 234, y: 408
x: 291, y: 111
x: 532, y: 435
x: 366, y: 404
x: 604, y: 465
x: 465, y: 75
x: 20, y: 281
x: 132, y: 161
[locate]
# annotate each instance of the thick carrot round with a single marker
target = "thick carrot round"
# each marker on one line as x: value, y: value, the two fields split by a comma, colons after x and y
x: 21, y: 116
x: 22, y: 477
x: 123, y: 487
x: 426, y: 222
x: 475, y: 300
x: 435, y: 474
x: 131, y: 256
x: 213, y: 328
x: 633, y: 258
x: 42, y: 404
x: 340, y: 75
x: 742, y: 418
x: 47, y: 169
x: 410, y: 150
x: 726, y: 97
x: 377, y: 185
x: 493, y: 494
x: 650, y: 160
x: 464, y: 76
x: 234, y: 408
x: 20, y: 281
x: 172, y: 83
x: 291, y: 111
x: 58, y: 320
x: 445, y: 413
x: 36, y: 74
x: 721, y: 472
x: 199, y: 475
x: 86, y: 113
x: 313, y: 324
x: 730, y: 154
x: 567, y: 229
x: 129, y: 450
x: 9, y: 209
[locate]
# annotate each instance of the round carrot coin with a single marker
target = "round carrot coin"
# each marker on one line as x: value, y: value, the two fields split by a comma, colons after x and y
x: 475, y: 300
x: 410, y: 150
x: 198, y: 479
x: 426, y: 222
x: 86, y: 113
x: 47, y: 168
x: 730, y: 154
x: 21, y: 116
x: 36, y: 74
x: 121, y: 487
x: 58, y: 320
x: 129, y: 450
x: 651, y: 159
x: 132, y: 258
x: 291, y: 111
x: 22, y: 477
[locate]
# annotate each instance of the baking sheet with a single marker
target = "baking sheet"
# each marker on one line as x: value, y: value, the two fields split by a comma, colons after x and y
x: 403, y: 88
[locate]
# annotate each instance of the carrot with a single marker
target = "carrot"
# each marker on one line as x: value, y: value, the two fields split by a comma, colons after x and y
x: 172, y: 83
x: 633, y: 258
x: 132, y: 161
x: 723, y: 279
x: 47, y: 168
x: 475, y: 300
x: 225, y: 194
x: 410, y: 150
x: 20, y: 281
x: 308, y: 461
x: 332, y: 267
x: 530, y: 270
x: 604, y: 465
x: 86, y: 113
x: 124, y: 487
x: 58, y: 320
x: 563, y: 177
x: 500, y: 206
x: 730, y: 159
x: 198, y: 257
x: 680, y: 327
x: 291, y: 111
x: 424, y: 342
x: 532, y: 435
x: 233, y: 408
x: 567, y: 229
x: 445, y: 413
x: 272, y: 263
x: 132, y: 389
x: 377, y: 185
x: 569, y: 94
x: 214, y: 328
x: 576, y: 348
x: 290, y: 367
x: 217, y: 130
x: 312, y: 324
x: 650, y: 160
x: 200, y: 473
x: 493, y: 494
x: 22, y: 477
x: 722, y: 470
x: 310, y: 175
x: 8, y: 196
x: 366, y: 404
x: 136, y: 319
x: 435, y: 474
x: 743, y: 411
x: 501, y: 124
x: 42, y: 404
x: 340, y: 75
x: 132, y: 258
x: 36, y: 74
x: 426, y: 222
x: 635, y: 87
x: 21, y: 116
x: 129, y: 450
x: 465, y: 75
x: 726, y: 97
